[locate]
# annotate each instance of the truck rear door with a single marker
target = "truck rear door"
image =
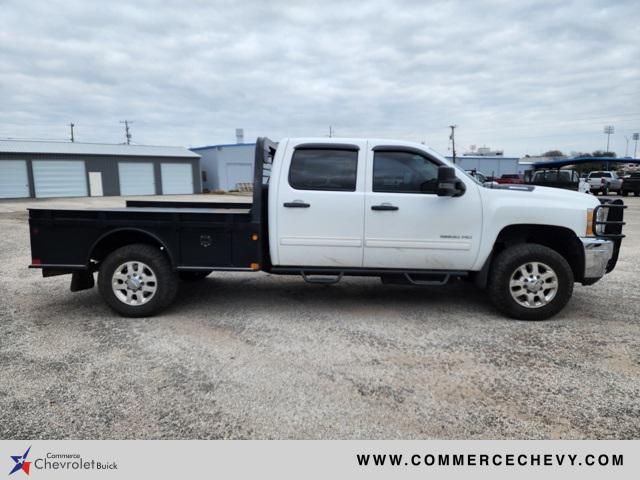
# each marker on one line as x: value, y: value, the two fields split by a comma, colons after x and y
x: 319, y: 205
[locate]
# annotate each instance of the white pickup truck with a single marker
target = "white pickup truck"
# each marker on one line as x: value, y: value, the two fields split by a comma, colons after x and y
x: 604, y: 182
x: 325, y: 208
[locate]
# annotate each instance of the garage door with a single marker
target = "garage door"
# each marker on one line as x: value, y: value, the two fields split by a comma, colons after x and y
x: 238, y: 173
x: 59, y: 178
x: 14, y: 181
x: 136, y: 178
x: 176, y: 178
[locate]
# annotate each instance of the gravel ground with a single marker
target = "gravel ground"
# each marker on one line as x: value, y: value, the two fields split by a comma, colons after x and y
x: 258, y: 356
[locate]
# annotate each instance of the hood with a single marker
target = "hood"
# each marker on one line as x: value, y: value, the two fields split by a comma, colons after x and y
x: 560, y: 195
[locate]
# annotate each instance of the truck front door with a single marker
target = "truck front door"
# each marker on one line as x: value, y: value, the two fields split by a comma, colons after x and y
x: 320, y: 205
x: 406, y: 224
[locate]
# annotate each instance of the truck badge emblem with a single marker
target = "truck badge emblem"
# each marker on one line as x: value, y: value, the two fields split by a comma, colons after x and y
x: 205, y: 240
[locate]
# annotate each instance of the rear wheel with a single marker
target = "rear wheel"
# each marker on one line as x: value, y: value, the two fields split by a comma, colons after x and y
x: 624, y: 193
x: 137, y: 281
x: 530, y: 282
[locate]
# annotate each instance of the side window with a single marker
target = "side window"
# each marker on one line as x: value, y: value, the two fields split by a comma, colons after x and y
x: 323, y: 169
x: 404, y: 172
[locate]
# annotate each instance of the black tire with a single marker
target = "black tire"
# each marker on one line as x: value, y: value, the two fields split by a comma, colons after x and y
x: 636, y: 193
x: 624, y: 193
x: 504, y: 266
x: 166, y: 280
x: 194, y: 276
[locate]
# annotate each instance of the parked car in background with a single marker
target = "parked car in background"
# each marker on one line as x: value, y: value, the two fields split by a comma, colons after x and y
x: 510, y: 178
x: 604, y: 182
x: 631, y: 184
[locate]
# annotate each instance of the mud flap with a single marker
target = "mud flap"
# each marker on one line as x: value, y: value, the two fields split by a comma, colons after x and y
x: 82, y: 281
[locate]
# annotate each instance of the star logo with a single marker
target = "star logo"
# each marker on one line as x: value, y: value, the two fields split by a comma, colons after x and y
x: 21, y: 462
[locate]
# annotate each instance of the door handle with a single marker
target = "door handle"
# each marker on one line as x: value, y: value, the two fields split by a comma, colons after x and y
x: 296, y: 204
x: 384, y: 206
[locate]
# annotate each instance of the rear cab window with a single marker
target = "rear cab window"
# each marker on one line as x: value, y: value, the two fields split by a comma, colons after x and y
x: 324, y: 169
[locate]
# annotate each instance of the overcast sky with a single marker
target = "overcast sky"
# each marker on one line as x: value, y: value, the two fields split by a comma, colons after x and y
x: 518, y: 75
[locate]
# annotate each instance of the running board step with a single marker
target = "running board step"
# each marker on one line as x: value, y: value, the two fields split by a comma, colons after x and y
x: 321, y: 280
x: 422, y: 279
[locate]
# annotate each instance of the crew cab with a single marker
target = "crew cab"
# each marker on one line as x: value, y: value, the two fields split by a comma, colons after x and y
x: 604, y: 182
x: 326, y: 208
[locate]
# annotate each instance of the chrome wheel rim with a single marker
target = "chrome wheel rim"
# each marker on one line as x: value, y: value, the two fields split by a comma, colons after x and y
x: 134, y: 283
x: 533, y: 284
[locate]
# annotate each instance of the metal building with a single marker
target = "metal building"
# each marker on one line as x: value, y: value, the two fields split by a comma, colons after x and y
x: 62, y: 169
x: 225, y: 166
x: 492, y: 166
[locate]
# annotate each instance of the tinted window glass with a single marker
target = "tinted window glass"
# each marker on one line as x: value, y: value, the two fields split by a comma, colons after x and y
x: 319, y: 169
x: 404, y: 172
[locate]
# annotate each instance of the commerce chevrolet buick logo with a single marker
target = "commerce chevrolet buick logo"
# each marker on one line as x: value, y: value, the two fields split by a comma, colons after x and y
x: 21, y: 463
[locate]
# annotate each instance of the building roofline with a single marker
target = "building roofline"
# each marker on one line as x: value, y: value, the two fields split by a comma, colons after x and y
x: 8, y: 146
x: 223, y: 145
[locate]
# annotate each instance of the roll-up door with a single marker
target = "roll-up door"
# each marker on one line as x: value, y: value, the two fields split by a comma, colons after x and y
x: 177, y: 178
x: 136, y: 178
x: 14, y: 181
x: 59, y: 178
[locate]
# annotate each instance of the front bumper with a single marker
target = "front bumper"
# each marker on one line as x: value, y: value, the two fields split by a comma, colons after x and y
x: 597, y: 255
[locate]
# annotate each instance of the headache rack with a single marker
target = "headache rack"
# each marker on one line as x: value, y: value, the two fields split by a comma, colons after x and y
x: 613, y: 215
x: 613, y: 224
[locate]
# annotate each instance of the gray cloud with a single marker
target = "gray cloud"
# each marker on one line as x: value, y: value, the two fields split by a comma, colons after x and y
x: 525, y: 76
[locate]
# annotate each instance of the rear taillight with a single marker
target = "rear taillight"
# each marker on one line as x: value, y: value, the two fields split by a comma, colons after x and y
x: 36, y: 261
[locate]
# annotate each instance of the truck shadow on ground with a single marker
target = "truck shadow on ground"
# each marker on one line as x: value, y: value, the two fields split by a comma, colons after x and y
x: 290, y: 293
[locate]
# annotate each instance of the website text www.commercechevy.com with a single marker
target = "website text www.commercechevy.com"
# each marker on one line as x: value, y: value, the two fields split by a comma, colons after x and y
x: 489, y: 460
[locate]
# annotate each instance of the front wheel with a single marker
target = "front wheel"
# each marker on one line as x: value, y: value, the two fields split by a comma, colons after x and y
x: 530, y: 282
x: 137, y: 281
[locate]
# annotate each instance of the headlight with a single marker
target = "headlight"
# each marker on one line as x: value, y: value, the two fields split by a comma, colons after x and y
x: 601, y: 216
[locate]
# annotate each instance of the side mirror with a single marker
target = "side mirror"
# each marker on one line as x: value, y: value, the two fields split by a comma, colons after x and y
x: 448, y: 184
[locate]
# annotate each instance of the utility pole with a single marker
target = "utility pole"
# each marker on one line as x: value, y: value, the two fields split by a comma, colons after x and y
x: 608, y: 131
x: 330, y: 131
x: 635, y: 136
x: 72, y: 138
x: 127, y: 134
x: 452, y: 137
